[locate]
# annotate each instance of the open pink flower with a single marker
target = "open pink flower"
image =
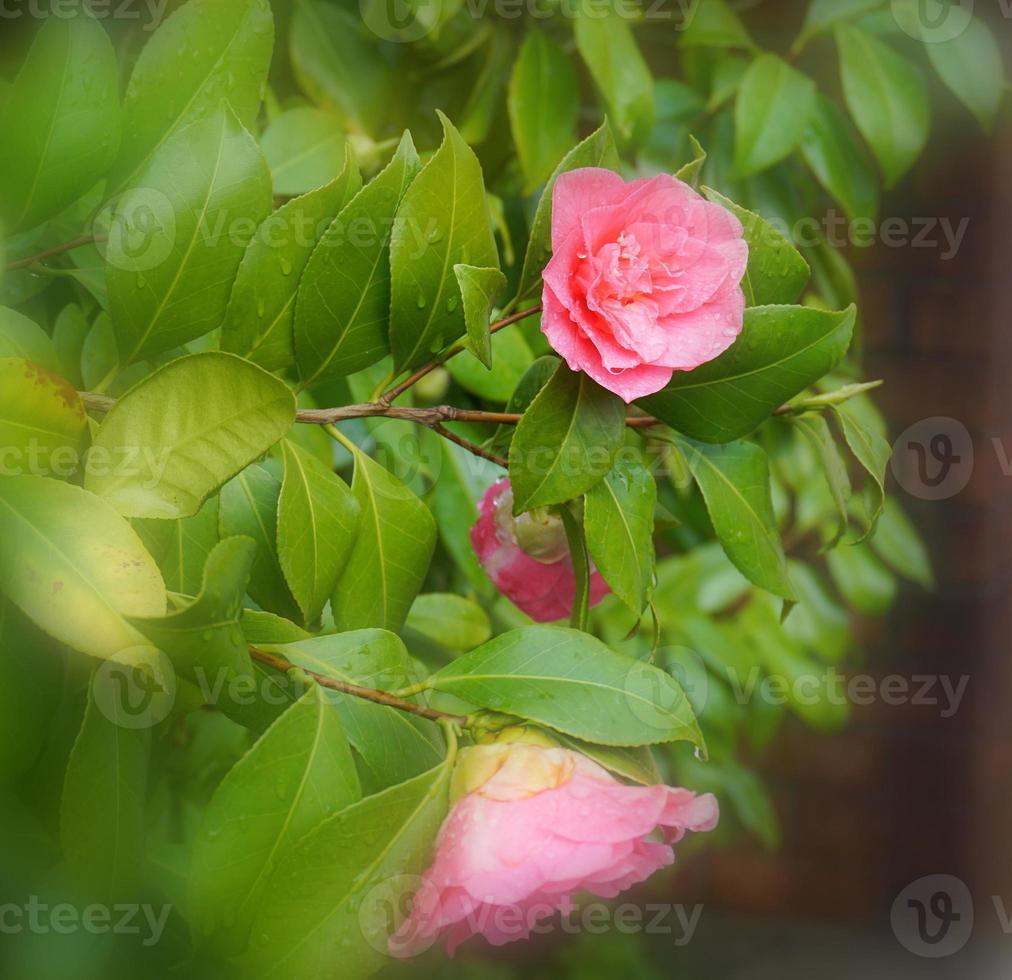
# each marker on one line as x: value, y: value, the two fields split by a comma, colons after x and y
x: 531, y: 825
x: 527, y: 557
x: 644, y: 279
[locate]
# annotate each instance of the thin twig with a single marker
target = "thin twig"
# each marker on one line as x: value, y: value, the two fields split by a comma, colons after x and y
x: 50, y: 252
x: 470, y: 446
x: 436, y: 362
x: 355, y: 690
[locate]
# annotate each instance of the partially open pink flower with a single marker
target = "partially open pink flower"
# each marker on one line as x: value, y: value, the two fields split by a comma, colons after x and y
x: 531, y: 825
x: 527, y: 557
x: 644, y: 279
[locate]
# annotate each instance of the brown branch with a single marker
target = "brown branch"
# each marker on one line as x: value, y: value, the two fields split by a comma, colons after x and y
x: 433, y: 416
x: 470, y: 446
x: 50, y: 252
x: 355, y: 690
x: 416, y: 376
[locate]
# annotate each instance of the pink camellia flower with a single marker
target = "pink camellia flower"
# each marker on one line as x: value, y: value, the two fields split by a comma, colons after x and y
x: 531, y: 823
x: 644, y: 279
x: 527, y: 557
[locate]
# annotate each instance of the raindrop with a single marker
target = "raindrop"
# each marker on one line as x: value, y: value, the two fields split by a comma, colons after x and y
x: 421, y: 301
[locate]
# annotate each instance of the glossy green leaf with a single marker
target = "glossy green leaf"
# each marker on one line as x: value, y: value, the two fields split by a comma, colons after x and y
x: 102, y: 808
x: 689, y: 172
x: 781, y: 351
x: 886, y: 96
x: 318, y: 520
x: 873, y: 452
x: 343, y: 309
x: 202, y: 638
x: 299, y: 772
x: 169, y: 283
x: 305, y: 149
x: 260, y: 320
x: 815, y: 430
x: 830, y: 149
x: 735, y: 482
x: 23, y: 337
x: 524, y: 391
x: 186, y: 430
x: 636, y: 763
x: 391, y: 745
x: 74, y: 566
x: 712, y: 23
x: 442, y: 220
x: 898, y: 544
x: 61, y: 120
x: 510, y: 355
x: 449, y: 620
x: 609, y: 50
x: 43, y: 426
x: 181, y: 547
x: 249, y: 506
x: 618, y: 519
x: 391, y: 554
x: 771, y: 112
x: 570, y: 681
x: 597, y: 150
x: 213, y: 51
x: 776, y: 272
x: 543, y: 104
x: 331, y: 899
x: 566, y: 441
x: 479, y: 291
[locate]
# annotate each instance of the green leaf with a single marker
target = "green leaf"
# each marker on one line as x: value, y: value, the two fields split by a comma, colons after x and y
x: 61, y: 119
x: 711, y: 23
x: 186, y: 430
x: 69, y: 332
x: 202, y: 638
x: 566, y: 441
x: 781, y: 351
x: 318, y: 916
x: 249, y: 506
x: 971, y: 66
x: 181, y: 547
x: 771, y: 112
x: 872, y: 451
x: 886, y: 96
x: 102, y: 808
x: 298, y: 773
x: 213, y: 51
x: 618, y: 518
x: 318, y: 519
x: 636, y: 764
x: 511, y: 355
x: 831, y: 150
x: 608, y: 49
x: 342, y: 313
x: 543, y: 104
x: 337, y: 62
x: 260, y: 320
x: 391, y: 554
x: 689, y: 172
x: 442, y: 220
x: 479, y: 290
x: 735, y: 482
x: 22, y: 337
x: 172, y: 286
x: 570, y: 681
x: 529, y: 384
x: 864, y: 582
x: 898, y: 544
x: 74, y: 566
x: 449, y: 620
x: 391, y: 745
x: 43, y: 425
x: 305, y: 149
x: 824, y: 14
x: 597, y: 150
x: 577, y: 545
x: 815, y: 430
x: 776, y: 272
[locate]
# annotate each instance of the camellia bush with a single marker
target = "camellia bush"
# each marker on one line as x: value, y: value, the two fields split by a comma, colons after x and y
x: 439, y: 417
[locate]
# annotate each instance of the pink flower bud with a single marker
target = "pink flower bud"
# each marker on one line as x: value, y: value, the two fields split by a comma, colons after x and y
x: 530, y: 824
x: 527, y: 557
